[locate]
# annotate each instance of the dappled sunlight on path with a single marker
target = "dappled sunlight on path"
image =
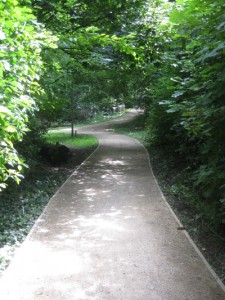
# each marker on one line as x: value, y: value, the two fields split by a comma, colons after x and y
x: 108, y: 234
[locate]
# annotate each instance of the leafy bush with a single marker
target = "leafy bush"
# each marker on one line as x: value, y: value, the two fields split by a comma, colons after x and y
x: 188, y: 113
x: 22, y: 39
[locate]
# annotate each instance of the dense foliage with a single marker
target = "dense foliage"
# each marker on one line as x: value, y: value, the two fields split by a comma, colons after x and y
x: 21, y: 40
x: 186, y: 111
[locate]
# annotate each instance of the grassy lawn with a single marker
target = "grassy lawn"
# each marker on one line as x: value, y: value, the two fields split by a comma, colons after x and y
x: 79, y: 140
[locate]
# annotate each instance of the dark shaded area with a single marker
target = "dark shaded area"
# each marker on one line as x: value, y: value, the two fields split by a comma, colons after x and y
x: 56, y: 154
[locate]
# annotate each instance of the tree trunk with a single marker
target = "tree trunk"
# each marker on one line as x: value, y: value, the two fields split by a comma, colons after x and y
x: 72, y: 129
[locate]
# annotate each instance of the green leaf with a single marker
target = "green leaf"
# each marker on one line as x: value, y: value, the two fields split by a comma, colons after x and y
x: 5, y: 110
x: 10, y: 129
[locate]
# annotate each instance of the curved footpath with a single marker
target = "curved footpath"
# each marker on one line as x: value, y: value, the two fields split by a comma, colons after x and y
x: 108, y: 233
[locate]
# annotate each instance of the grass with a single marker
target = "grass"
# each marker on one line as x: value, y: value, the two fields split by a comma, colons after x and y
x: 79, y: 140
x: 134, y: 129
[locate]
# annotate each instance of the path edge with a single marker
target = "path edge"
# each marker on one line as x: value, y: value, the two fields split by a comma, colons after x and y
x: 50, y: 201
x: 193, y: 244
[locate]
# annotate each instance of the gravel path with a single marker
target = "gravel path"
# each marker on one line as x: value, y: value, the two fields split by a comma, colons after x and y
x: 108, y: 233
